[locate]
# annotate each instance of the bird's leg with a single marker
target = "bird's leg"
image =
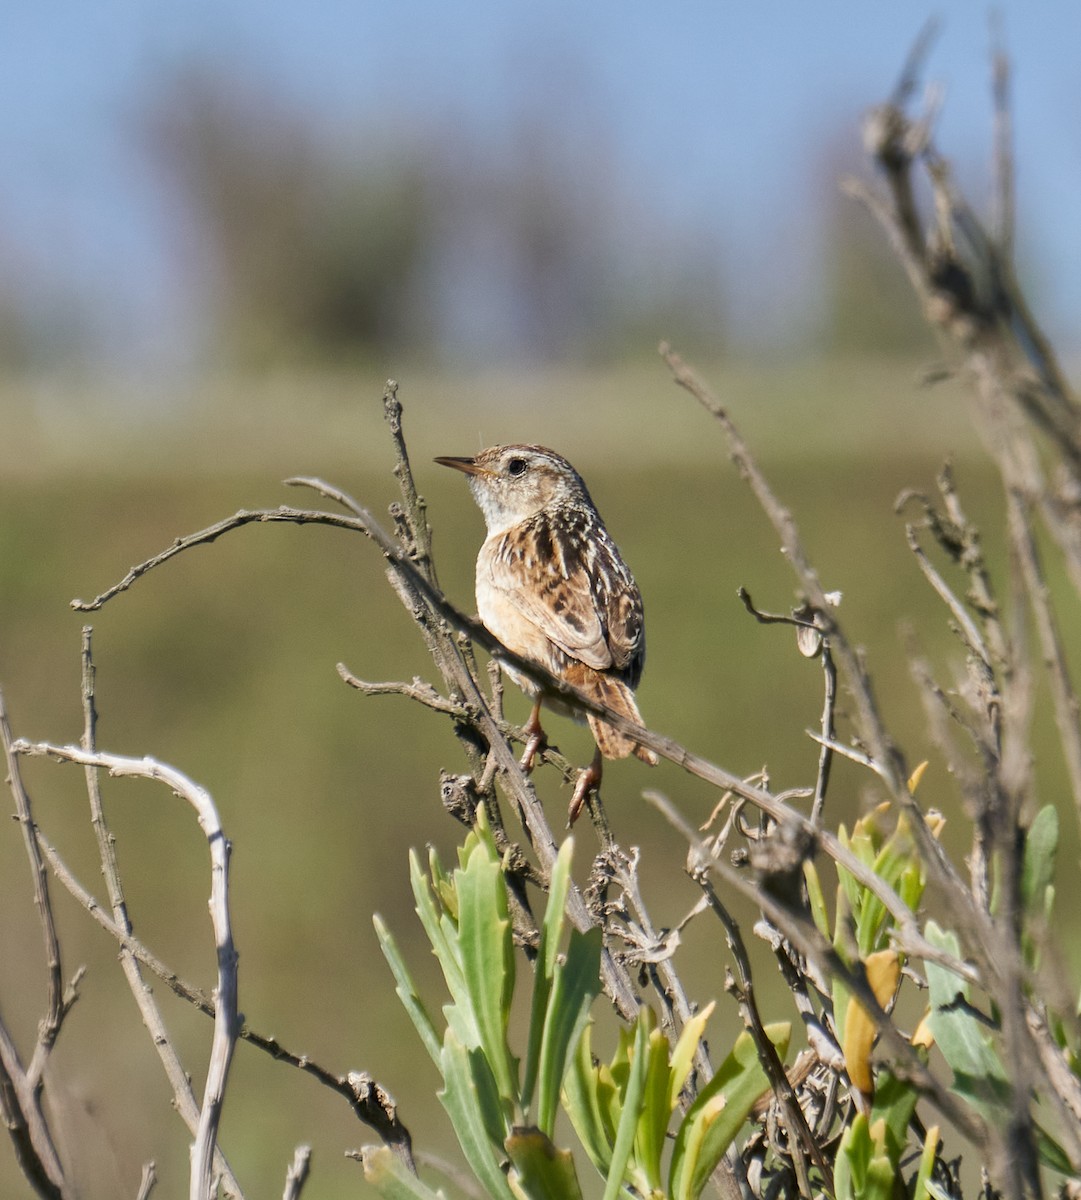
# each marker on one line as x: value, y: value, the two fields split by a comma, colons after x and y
x: 588, y: 781
x: 536, y: 739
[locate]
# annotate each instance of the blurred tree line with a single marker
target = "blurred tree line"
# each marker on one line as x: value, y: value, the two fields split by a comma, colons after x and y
x: 414, y: 237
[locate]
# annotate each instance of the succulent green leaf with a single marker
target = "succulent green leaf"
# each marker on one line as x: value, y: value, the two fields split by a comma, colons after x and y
x: 894, y: 1103
x: 633, y: 1098
x: 656, y: 1112
x: 407, y: 991
x: 441, y: 933
x: 556, y: 908
x: 471, y: 1097
x: 968, y: 1047
x: 959, y: 1033
x: 588, y: 1102
x: 487, y: 956
x: 575, y: 984
x: 920, y: 1188
x: 817, y: 898
x: 1038, y: 866
x: 863, y: 1170
x: 390, y: 1177
x: 684, y: 1052
x: 540, y: 1170
x: 713, y: 1120
x: 550, y: 935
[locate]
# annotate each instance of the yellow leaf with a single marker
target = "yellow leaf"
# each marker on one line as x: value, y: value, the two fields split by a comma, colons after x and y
x: 935, y: 821
x: 923, y: 1035
x: 883, y: 969
x: 915, y: 777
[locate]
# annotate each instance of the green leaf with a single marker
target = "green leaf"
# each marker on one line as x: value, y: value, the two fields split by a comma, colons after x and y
x: 407, y: 991
x: 487, y: 954
x: 863, y: 1171
x: 471, y: 1098
x: 1038, y: 865
x: 429, y: 912
x: 575, y: 984
x: 894, y: 1103
x: 713, y: 1120
x: 440, y: 933
x: 817, y: 898
x: 968, y: 1047
x: 588, y: 1102
x: 550, y: 934
x: 684, y: 1052
x: 632, y: 1106
x: 541, y: 1171
x: 656, y: 1112
x: 555, y: 910
x: 390, y: 1177
x: 921, y: 1189
x: 962, y: 1037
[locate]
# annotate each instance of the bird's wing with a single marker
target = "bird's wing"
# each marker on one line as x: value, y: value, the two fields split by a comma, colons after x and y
x: 626, y: 625
x: 570, y: 584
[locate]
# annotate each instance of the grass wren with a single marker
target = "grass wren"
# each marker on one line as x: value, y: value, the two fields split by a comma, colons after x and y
x: 552, y: 587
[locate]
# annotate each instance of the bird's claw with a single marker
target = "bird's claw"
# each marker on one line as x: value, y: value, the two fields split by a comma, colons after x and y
x: 536, y: 743
x: 589, y: 781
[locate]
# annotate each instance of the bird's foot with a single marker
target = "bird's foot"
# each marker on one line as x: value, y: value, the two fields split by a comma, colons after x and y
x: 536, y: 743
x: 589, y: 782
x: 536, y: 740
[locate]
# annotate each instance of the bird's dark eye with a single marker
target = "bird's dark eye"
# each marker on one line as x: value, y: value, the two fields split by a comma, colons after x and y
x: 516, y: 467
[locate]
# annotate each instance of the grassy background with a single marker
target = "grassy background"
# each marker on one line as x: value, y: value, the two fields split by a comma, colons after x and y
x: 222, y: 663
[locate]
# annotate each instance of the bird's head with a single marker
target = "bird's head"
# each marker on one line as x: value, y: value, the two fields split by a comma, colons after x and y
x: 512, y: 483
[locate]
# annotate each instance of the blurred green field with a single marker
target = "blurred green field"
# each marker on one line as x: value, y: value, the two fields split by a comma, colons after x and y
x: 222, y: 663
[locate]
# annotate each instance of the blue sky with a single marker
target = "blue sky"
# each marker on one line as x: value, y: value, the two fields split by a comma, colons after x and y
x: 714, y: 111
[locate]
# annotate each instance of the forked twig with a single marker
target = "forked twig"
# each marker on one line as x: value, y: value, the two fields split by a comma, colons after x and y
x: 226, y: 1019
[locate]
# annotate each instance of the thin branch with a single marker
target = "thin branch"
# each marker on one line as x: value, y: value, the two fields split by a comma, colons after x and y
x: 204, y: 537
x: 419, y: 690
x: 31, y: 1139
x: 297, y: 1174
x: 147, y: 1181
x: 1023, y: 541
x: 369, y: 1101
x: 49, y: 1026
x: 803, y: 934
x: 801, y: 1141
x: 21, y: 1088
x: 965, y: 624
x: 812, y: 644
x: 226, y: 1019
x: 184, y: 1096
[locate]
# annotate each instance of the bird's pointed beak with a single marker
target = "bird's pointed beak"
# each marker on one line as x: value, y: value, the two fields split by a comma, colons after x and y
x: 468, y: 465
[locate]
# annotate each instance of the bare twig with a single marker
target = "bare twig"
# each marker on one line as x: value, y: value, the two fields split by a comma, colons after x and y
x: 56, y: 1008
x: 297, y: 1174
x: 147, y: 1181
x: 21, y: 1088
x: 184, y: 1096
x: 226, y: 1020
x: 800, y: 930
x: 1023, y: 542
x: 801, y: 1142
x: 370, y: 1102
x: 419, y: 690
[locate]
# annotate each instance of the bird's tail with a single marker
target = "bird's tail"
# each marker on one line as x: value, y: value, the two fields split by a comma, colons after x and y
x: 616, y: 695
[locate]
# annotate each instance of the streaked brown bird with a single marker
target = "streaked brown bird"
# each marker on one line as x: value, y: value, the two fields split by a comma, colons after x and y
x: 552, y: 587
